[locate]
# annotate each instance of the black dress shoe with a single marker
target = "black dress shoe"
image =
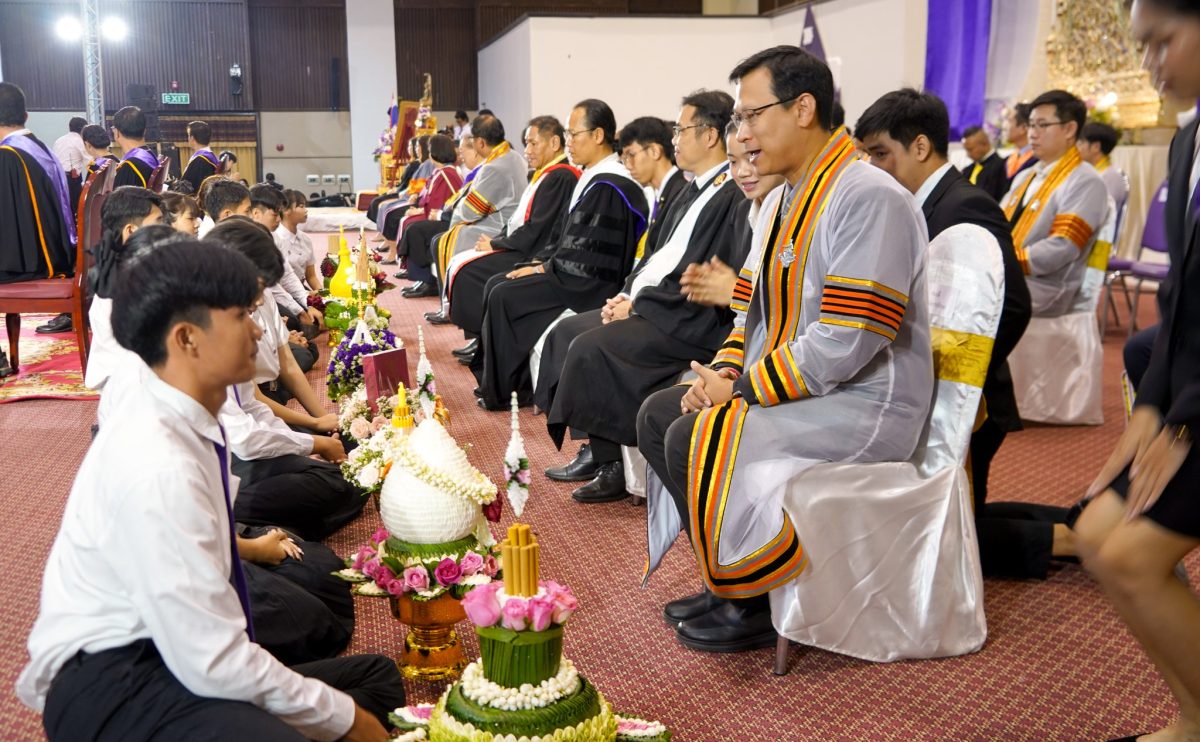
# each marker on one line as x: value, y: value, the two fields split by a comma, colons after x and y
x: 466, y: 360
x: 690, y: 607
x: 5, y: 368
x: 437, y: 318
x: 478, y: 392
x: 467, y: 350
x: 401, y: 274
x: 730, y: 627
x: 580, y: 469
x: 61, y: 323
x: 419, y: 290
x: 608, y: 486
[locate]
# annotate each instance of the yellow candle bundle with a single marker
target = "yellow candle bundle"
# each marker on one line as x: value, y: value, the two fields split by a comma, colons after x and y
x: 401, y: 417
x: 520, y: 552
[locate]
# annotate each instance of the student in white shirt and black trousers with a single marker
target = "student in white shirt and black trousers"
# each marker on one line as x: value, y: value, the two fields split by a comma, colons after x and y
x: 143, y: 629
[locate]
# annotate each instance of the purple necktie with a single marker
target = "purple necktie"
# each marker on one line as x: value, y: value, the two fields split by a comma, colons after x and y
x: 239, y: 576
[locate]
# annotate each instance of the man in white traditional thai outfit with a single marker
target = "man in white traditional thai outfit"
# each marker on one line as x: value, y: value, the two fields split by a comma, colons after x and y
x: 1056, y: 207
x: 829, y: 358
x: 488, y: 203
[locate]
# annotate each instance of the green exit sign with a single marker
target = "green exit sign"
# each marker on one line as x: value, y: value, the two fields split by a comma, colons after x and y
x: 176, y: 99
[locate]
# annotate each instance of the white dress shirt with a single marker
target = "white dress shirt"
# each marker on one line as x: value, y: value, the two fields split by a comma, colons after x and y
x: 254, y: 431
x: 274, y: 336
x: 143, y: 553
x: 71, y: 153
x: 105, y: 354
x: 297, y: 251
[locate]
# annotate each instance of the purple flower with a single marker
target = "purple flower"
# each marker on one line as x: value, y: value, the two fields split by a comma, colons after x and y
x: 471, y: 563
x: 448, y: 572
x: 541, y: 611
x: 416, y: 578
x: 512, y: 615
x: 524, y: 477
x: 481, y: 605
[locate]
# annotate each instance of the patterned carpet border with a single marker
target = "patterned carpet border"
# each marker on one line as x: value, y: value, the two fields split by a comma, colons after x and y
x: 50, y: 366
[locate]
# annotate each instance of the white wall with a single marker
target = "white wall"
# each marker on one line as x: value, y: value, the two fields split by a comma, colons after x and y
x: 50, y: 125
x: 316, y: 142
x: 504, y: 67
x: 371, y: 62
x: 643, y: 66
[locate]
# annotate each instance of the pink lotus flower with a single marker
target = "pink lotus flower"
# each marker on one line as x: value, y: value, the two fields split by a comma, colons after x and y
x: 361, y: 557
x: 360, y: 428
x: 378, y: 423
x: 416, y: 578
x: 448, y: 572
x: 471, y: 563
x: 565, y: 602
x: 490, y: 566
x: 379, y: 536
x: 541, y: 611
x: 513, y: 614
x: 481, y: 605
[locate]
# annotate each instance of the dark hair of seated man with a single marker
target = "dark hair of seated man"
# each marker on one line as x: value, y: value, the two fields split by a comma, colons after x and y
x: 489, y: 129
x: 646, y: 131
x: 178, y: 282
x: 1067, y: 107
x: 794, y: 72
x: 130, y: 122
x: 1106, y: 136
x: 76, y: 124
x: 12, y: 105
x: 242, y: 235
x: 222, y: 194
x: 600, y: 116
x: 201, y: 132
x: 906, y: 114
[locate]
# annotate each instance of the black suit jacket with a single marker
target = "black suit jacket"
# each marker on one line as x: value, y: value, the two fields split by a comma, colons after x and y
x: 1172, y: 382
x: 993, y: 178
x: 955, y: 201
x: 661, y: 210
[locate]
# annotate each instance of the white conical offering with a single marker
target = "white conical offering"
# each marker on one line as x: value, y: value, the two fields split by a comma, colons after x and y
x: 432, y: 493
x: 516, y: 465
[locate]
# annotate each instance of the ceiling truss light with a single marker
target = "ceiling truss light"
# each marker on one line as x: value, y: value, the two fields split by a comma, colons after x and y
x: 114, y: 29
x: 68, y: 28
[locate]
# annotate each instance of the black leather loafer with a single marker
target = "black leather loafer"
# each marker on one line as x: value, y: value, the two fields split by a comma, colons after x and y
x: 608, y: 486
x: 728, y: 628
x: 580, y: 469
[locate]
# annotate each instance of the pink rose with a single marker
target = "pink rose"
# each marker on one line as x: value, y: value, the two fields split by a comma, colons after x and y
x: 471, y: 564
x: 372, y: 568
x: 378, y: 423
x: 490, y: 566
x: 416, y: 578
x: 379, y: 536
x: 394, y: 587
x: 541, y: 611
x: 565, y: 602
x: 513, y: 614
x: 448, y: 572
x: 481, y: 605
x: 360, y: 428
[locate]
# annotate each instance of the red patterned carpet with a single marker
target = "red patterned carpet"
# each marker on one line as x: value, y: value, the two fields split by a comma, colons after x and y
x: 1058, y: 665
x: 50, y: 366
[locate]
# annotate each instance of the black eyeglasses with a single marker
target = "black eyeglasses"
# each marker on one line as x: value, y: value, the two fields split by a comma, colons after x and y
x: 677, y: 129
x: 573, y: 134
x: 750, y: 115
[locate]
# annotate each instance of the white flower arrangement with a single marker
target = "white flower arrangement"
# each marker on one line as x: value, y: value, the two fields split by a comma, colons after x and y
x: 476, y: 687
x: 631, y: 726
x: 366, y: 465
x: 477, y: 488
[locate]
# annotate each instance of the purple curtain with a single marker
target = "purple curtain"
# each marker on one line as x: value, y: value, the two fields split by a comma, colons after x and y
x: 956, y: 54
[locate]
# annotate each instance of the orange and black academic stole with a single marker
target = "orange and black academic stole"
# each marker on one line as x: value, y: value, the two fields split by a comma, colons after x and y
x: 1070, y: 226
x: 717, y: 432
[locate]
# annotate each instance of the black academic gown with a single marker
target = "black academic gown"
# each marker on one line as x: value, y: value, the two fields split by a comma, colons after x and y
x: 593, y: 253
x: 668, y: 194
x: 549, y: 204
x: 35, y: 241
x: 609, y: 370
x: 197, y: 170
x: 992, y: 178
x: 132, y: 172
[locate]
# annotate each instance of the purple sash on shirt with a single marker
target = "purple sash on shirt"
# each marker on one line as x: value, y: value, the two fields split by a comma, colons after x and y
x: 53, y: 169
x: 239, y: 575
x: 206, y: 154
x: 142, y: 155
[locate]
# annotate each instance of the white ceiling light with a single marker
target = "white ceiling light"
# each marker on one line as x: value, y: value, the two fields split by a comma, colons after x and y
x: 68, y: 28
x: 114, y: 29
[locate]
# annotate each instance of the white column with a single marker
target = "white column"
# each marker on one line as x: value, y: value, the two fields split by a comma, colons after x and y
x: 371, y: 63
